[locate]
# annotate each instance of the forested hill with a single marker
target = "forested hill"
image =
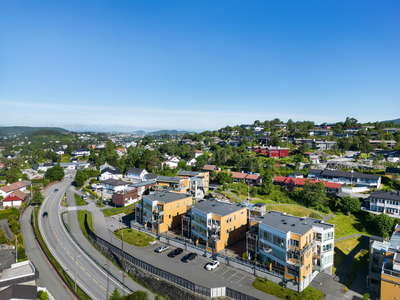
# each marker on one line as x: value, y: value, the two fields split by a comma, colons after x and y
x: 161, y: 132
x: 26, y: 129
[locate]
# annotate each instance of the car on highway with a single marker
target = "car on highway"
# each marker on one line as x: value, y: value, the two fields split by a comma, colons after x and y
x: 175, y: 252
x: 45, y: 214
x: 56, y: 190
x: 212, y: 265
x: 189, y: 257
x: 71, y: 178
x: 161, y: 249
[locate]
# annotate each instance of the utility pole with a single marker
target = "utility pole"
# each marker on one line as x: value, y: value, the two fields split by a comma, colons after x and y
x: 16, y: 249
x: 75, y: 269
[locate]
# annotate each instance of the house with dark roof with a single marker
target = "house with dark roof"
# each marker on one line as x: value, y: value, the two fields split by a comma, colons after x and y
x: 114, y: 186
x: 392, y: 171
x: 136, y: 174
x: 151, y: 176
x: 20, y: 274
x: 351, y: 178
x: 110, y: 174
x: 19, y: 292
x: 384, y: 202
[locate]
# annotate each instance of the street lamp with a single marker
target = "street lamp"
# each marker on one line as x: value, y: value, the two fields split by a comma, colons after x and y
x: 75, y: 268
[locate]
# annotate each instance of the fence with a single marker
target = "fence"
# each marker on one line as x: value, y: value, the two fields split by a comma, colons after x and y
x: 198, y: 289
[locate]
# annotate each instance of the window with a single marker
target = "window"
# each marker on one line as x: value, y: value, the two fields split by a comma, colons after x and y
x: 278, y: 254
x: 327, y: 247
x: 234, y: 217
x: 177, y: 204
x: 327, y: 236
x: 306, y: 239
x: 170, y: 207
x: 177, y: 213
x: 294, y: 243
x: 170, y: 216
x: 187, y: 202
x: 292, y: 272
x: 279, y: 241
x: 234, y: 227
x: 327, y: 259
x: 309, y: 237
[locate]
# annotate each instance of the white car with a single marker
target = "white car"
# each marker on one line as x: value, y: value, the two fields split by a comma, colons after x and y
x: 162, y: 249
x: 212, y: 265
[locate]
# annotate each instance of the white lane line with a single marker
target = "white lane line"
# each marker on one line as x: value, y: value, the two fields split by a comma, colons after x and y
x: 231, y: 276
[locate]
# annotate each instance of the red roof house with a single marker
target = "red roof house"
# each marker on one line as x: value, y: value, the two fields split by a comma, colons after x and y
x: 16, y: 198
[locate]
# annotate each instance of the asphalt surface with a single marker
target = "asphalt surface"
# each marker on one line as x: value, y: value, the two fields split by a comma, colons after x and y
x: 193, y: 271
x: 7, y: 229
x: 89, y: 276
x: 47, y: 276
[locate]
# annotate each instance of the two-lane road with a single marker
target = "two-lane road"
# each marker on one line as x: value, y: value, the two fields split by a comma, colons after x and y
x: 89, y: 276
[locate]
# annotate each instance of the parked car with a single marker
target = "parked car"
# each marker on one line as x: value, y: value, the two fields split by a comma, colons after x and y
x: 161, y: 249
x: 56, y: 190
x: 45, y: 214
x: 212, y: 265
x: 84, y: 197
x: 175, y: 252
x: 189, y: 257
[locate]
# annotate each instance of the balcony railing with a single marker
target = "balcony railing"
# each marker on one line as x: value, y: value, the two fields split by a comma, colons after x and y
x: 391, y: 272
x: 298, y: 264
x: 158, y: 212
x: 214, y: 228
x: 304, y: 250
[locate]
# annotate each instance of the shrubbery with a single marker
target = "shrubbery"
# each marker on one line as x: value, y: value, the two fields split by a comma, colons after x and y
x: 91, y: 192
x: 21, y: 253
x: 9, y: 211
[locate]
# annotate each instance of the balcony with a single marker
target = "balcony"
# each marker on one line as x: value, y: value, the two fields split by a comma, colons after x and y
x: 303, y: 250
x: 318, y: 254
x: 388, y: 270
x: 213, y: 228
x: 157, y: 212
x: 298, y: 264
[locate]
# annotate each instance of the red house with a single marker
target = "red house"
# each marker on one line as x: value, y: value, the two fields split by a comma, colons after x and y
x: 278, y: 152
x: 16, y: 198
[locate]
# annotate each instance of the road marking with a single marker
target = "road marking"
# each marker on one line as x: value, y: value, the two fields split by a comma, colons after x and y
x: 103, y: 287
x: 82, y: 268
x: 241, y: 279
x: 223, y: 273
x: 69, y: 253
x: 64, y: 248
x: 95, y: 280
x: 232, y: 276
x: 89, y: 274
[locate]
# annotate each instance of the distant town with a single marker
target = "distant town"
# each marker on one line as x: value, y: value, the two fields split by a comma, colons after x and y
x: 268, y: 210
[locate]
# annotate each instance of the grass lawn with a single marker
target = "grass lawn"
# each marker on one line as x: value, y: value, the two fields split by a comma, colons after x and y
x: 266, y: 201
x: 348, y: 225
x: 114, y: 211
x: 65, y: 158
x: 81, y: 218
x: 359, y: 261
x: 297, y: 211
x: 276, y: 290
x: 343, y: 248
x: 79, y: 201
x: 135, y: 238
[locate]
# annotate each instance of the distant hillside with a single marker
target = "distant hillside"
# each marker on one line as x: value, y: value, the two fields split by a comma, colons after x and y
x: 160, y: 132
x: 139, y: 132
x: 26, y: 129
x: 397, y: 121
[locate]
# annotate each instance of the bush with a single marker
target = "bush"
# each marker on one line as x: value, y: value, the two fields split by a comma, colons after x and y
x: 20, y: 239
x: 91, y: 192
x: 3, y: 238
x: 14, y: 225
x: 21, y: 253
x: 365, y: 297
x: 44, y: 296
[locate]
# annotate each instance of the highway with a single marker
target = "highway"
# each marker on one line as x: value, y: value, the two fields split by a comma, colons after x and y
x: 89, y: 276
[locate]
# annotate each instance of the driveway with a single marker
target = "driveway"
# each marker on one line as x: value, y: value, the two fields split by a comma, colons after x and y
x: 6, y: 229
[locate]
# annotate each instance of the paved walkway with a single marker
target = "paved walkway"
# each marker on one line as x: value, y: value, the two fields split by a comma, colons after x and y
x: 7, y: 230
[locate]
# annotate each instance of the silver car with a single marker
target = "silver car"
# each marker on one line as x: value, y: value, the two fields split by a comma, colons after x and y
x: 161, y: 249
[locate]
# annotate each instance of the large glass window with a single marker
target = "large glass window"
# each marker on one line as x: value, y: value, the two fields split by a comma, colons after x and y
x: 279, y: 241
x: 327, y: 259
x: 327, y: 236
x: 278, y: 254
x: 294, y: 243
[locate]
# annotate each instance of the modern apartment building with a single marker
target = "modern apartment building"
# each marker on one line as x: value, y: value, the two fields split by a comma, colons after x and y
x: 384, y: 266
x: 296, y: 248
x: 161, y: 211
x: 215, y: 224
x: 199, y: 182
x: 173, y: 184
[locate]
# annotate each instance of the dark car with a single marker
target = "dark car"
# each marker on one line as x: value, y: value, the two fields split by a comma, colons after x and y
x: 56, y: 190
x: 45, y: 214
x: 189, y: 257
x: 175, y: 252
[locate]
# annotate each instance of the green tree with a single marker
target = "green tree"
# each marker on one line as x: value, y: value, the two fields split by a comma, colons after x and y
x: 224, y: 177
x: 201, y: 161
x: 349, y: 204
x: 138, y: 295
x: 116, y: 295
x: 55, y: 173
x: 37, y: 198
x: 21, y: 253
x: 311, y: 194
x: 384, y: 225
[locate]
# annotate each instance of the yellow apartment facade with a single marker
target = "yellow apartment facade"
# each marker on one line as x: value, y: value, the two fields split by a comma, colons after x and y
x: 173, y: 184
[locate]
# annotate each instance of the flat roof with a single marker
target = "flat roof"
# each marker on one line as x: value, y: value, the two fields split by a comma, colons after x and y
x: 218, y: 207
x: 114, y: 182
x: 166, y: 197
x: 169, y: 179
x: 144, y: 183
x: 286, y: 223
x: 395, y: 240
x: 189, y: 173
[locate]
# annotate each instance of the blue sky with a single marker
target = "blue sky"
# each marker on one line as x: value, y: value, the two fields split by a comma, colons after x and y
x: 197, y: 65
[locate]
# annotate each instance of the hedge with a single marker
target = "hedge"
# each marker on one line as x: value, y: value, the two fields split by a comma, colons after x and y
x: 91, y: 192
x: 4, y: 214
x: 3, y: 238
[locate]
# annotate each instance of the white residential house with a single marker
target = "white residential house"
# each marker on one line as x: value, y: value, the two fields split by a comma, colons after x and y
x: 258, y: 128
x: 384, y: 202
x: 114, y: 186
x: 9, y: 188
x: 198, y: 153
x: 136, y: 174
x: 59, y: 151
x: 191, y: 162
x: 111, y: 174
x: 81, y: 152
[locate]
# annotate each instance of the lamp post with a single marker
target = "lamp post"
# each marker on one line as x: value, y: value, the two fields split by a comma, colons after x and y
x: 75, y: 269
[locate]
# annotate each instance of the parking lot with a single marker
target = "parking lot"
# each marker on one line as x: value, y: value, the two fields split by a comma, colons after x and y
x: 218, y: 275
